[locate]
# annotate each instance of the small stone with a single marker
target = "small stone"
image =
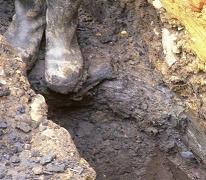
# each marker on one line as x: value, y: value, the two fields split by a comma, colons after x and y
x: 98, y: 34
x: 21, y: 110
x: 47, y: 159
x: 19, y: 177
x: 7, y: 156
x: 2, y: 175
x: 18, y: 146
x: 45, y: 122
x: 27, y: 146
x: 56, y: 167
x: 42, y: 128
x: 2, y: 81
x: 124, y: 33
x: 2, y: 172
x: 1, y: 132
x: 12, y: 137
x: 2, y: 73
x: 168, y: 145
x: 23, y: 127
x: 187, y: 155
x: 48, y: 173
x: 35, y: 159
x: 4, y: 91
x: 77, y: 169
x: 152, y: 131
x: 15, y: 159
x: 106, y: 39
x: 35, y: 153
x: 37, y: 170
x: 3, y: 125
x: 38, y: 108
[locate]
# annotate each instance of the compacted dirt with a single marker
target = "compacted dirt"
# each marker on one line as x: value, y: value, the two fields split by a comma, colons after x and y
x: 124, y: 120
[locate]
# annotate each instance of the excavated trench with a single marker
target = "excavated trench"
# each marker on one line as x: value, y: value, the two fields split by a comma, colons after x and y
x: 123, y: 122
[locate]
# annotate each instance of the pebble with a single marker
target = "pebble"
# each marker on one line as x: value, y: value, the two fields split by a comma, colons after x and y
x: 35, y: 159
x: 38, y: 107
x: 35, y: 153
x: 168, y: 146
x: 15, y: 159
x: 1, y: 132
x: 27, y: 146
x: 4, y: 91
x: 19, y: 146
x: 42, y: 128
x: 77, y: 169
x: 45, y: 122
x: 152, y: 131
x: 2, y: 175
x: 187, y: 155
x: 47, y: 159
x: 124, y: 33
x: 3, y: 125
x: 12, y: 137
x: 2, y: 172
x: 23, y: 127
x: 21, y: 110
x: 56, y: 167
x: 19, y: 177
x: 37, y: 170
x: 7, y: 156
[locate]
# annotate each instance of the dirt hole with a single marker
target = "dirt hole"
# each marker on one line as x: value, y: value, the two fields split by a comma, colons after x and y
x: 115, y: 148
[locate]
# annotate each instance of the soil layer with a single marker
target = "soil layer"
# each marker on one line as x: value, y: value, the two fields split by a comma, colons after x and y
x: 124, y: 120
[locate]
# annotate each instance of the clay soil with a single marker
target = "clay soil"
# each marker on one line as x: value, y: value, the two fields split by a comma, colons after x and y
x: 124, y: 120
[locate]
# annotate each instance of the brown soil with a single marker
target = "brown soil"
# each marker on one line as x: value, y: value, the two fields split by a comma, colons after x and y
x: 128, y: 125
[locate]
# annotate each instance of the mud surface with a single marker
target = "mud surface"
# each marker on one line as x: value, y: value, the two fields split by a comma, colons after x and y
x: 130, y: 126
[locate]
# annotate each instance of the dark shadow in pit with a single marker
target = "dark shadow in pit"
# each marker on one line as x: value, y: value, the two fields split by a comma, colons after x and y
x: 116, y: 149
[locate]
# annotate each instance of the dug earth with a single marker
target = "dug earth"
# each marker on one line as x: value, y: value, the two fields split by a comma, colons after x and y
x: 129, y: 126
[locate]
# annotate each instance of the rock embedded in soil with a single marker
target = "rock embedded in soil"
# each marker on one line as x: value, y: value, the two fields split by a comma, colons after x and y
x: 37, y: 170
x: 56, y: 167
x: 4, y: 90
x: 187, y: 155
x: 47, y: 159
x: 1, y: 132
x: 27, y: 146
x: 3, y: 124
x: 15, y: 159
x: 23, y: 127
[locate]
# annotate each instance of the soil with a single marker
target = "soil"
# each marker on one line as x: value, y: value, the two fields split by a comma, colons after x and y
x: 124, y: 120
